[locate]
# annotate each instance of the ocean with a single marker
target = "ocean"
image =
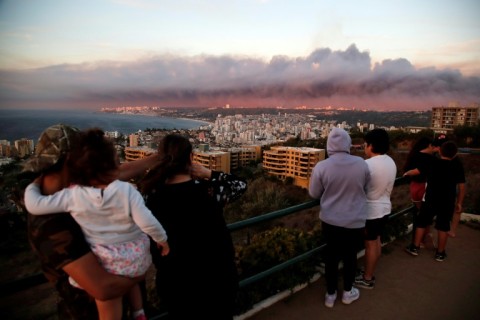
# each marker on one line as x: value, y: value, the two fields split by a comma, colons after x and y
x: 17, y: 124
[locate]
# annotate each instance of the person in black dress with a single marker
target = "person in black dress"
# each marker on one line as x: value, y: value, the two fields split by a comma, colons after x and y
x: 198, y: 279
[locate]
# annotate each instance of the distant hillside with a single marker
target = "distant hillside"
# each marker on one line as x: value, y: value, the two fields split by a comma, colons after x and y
x: 352, y: 117
x: 392, y: 118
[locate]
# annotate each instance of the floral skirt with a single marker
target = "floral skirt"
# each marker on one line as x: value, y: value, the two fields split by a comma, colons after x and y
x: 130, y: 259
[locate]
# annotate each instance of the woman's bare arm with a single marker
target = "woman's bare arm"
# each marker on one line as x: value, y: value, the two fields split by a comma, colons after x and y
x: 132, y: 169
x: 97, y: 282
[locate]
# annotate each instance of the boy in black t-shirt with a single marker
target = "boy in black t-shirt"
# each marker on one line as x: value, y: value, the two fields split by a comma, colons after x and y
x: 444, y: 196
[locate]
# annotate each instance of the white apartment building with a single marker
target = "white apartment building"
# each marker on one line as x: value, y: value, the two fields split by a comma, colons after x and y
x: 112, y: 134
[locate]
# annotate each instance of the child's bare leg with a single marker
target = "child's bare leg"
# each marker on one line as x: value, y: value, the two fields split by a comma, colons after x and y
x: 135, y: 298
x: 425, y: 235
x: 419, y: 233
x: 109, y: 309
x: 453, y: 227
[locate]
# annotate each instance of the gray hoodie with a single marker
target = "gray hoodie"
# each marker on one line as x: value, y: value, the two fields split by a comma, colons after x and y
x: 340, y: 183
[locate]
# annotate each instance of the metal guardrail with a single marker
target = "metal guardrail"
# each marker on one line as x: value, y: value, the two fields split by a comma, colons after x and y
x: 272, y: 215
x: 290, y: 210
x: 268, y: 217
x: 37, y: 279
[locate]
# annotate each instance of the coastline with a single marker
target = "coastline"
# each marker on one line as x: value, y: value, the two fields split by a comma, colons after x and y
x: 152, y: 114
x: 202, y: 121
x: 28, y: 124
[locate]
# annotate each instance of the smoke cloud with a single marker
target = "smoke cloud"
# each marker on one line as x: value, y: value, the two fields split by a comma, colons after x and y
x: 323, y: 78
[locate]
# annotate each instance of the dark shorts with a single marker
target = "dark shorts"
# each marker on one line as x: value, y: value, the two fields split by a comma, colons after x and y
x: 442, y: 214
x: 374, y: 228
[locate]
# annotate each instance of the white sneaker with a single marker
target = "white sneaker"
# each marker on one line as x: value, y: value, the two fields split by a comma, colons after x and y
x: 330, y: 299
x: 350, y: 296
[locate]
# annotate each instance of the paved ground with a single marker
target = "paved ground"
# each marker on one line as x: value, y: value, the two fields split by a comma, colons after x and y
x: 407, y: 287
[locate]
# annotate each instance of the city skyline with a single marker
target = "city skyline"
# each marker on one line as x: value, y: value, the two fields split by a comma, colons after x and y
x: 400, y: 55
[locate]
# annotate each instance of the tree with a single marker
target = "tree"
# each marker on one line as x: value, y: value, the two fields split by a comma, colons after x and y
x: 467, y: 136
x: 397, y: 136
x: 293, y: 142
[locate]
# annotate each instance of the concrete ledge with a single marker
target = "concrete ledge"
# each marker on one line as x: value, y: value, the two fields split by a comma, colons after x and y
x: 274, y: 299
x: 467, y: 217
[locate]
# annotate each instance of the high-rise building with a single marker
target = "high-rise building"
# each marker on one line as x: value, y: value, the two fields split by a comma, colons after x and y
x: 446, y: 118
x: 291, y: 162
x: 133, y: 140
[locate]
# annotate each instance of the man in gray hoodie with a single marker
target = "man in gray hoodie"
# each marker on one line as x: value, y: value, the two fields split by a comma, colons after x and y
x: 340, y: 182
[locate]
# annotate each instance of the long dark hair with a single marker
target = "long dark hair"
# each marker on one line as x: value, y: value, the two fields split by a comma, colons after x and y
x: 419, y: 145
x: 174, y: 151
x: 93, y: 159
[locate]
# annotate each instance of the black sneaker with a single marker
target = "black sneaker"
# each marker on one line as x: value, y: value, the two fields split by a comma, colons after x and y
x: 361, y: 282
x: 412, y: 249
x: 440, y: 256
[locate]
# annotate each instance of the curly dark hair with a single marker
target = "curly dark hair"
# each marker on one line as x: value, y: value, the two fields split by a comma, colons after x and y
x: 93, y: 160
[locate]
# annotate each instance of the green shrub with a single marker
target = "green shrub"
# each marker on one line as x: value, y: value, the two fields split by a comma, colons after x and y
x: 268, y: 249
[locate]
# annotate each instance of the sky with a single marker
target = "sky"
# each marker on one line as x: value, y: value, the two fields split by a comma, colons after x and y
x: 377, y: 55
